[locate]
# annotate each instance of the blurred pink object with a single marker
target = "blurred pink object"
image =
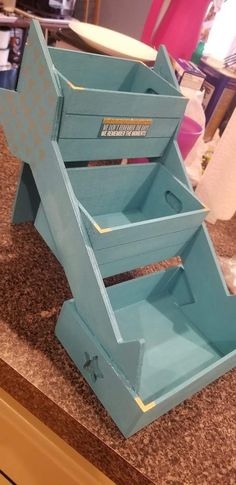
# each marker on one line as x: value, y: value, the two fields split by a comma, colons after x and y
x: 151, y: 21
x: 179, y: 28
x: 189, y: 132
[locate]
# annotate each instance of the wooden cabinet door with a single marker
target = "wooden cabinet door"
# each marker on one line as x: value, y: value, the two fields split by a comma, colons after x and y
x: 31, y: 454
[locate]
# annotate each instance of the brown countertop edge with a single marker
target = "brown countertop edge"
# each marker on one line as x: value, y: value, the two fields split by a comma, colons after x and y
x: 81, y: 439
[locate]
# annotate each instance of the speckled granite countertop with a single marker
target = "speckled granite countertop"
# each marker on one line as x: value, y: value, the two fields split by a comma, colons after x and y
x: 194, y: 444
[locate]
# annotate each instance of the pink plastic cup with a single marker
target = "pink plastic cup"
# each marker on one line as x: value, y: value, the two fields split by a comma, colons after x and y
x: 189, y: 132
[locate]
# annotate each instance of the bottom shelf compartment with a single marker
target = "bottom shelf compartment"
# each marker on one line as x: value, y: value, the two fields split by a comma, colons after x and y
x: 175, y: 350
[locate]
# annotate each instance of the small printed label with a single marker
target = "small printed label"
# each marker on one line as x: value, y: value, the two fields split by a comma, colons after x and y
x: 125, y: 127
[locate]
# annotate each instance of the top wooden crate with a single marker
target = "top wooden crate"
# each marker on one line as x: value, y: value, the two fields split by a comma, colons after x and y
x: 101, y: 91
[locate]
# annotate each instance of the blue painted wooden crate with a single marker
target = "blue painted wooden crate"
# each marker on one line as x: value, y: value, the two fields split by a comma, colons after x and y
x: 133, y: 214
x: 128, y: 203
x: 146, y: 344
x: 101, y: 91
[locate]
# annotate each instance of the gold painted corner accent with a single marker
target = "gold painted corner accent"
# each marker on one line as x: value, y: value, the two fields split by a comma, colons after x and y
x: 144, y: 407
x: 78, y: 88
x: 101, y: 230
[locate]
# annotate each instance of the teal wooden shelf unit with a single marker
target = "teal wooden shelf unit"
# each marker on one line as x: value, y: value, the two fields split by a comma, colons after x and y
x: 148, y: 343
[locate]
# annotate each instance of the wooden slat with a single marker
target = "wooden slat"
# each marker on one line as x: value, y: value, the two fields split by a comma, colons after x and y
x: 107, y: 149
x: 76, y: 126
x: 143, y: 231
x: 94, y: 71
x: 126, y: 264
x: 121, y: 104
x: 140, y: 248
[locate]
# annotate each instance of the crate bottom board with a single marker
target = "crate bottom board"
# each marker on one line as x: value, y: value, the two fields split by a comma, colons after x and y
x: 119, y: 218
x: 175, y: 350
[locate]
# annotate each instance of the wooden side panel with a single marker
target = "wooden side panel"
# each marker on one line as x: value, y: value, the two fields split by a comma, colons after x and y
x: 173, y: 161
x: 42, y: 226
x: 94, y: 71
x: 57, y: 197
x: 167, y: 196
x: 145, y: 81
x: 110, y: 188
x: 164, y: 68
x: 112, y: 389
x: 78, y: 259
x: 147, y: 187
x: 31, y: 114
x: 27, y: 199
x: 214, y: 312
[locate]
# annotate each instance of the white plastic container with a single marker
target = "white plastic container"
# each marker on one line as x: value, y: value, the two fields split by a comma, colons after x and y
x: 4, y: 53
x: 4, y: 37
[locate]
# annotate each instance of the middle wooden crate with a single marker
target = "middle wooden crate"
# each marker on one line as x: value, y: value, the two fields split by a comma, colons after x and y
x: 133, y: 214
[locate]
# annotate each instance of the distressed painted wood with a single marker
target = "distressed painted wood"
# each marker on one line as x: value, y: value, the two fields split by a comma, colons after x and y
x: 125, y: 406
x: 145, y: 82
x: 121, y: 104
x: 87, y: 127
x: 163, y: 67
x: 147, y: 344
x: 27, y: 198
x: 129, y: 203
x: 109, y: 73
x: 123, y: 257
x: 100, y: 149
